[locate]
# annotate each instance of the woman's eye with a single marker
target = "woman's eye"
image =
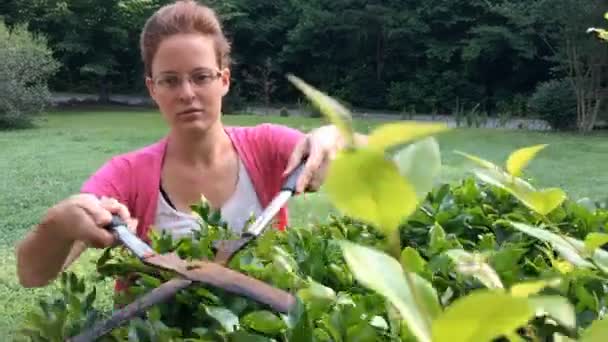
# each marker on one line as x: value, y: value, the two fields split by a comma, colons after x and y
x: 168, y: 81
x: 201, y: 78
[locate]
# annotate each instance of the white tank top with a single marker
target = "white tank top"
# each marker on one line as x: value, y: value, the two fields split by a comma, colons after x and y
x: 235, y: 212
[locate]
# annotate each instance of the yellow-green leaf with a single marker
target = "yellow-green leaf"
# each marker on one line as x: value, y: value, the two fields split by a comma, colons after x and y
x: 557, y: 307
x: 412, y: 261
x: 420, y: 163
x: 481, y: 316
x: 365, y: 185
x: 594, y: 241
x: 519, y: 159
x: 481, y: 162
x: 525, y: 289
x: 383, y: 274
x: 601, y: 33
x: 335, y: 112
x: 398, y: 133
x: 542, y: 201
x: 596, y: 332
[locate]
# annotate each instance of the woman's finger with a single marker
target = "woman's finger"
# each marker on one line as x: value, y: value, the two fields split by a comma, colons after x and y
x: 296, y: 156
x: 113, y: 206
x: 315, y: 157
x: 99, y: 217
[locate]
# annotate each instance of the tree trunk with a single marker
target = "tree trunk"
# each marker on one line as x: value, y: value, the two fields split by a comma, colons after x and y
x: 104, y: 92
x: 592, y: 114
x: 380, y: 54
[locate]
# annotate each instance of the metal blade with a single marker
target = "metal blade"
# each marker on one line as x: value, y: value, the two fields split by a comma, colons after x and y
x: 131, y: 241
x: 271, y: 210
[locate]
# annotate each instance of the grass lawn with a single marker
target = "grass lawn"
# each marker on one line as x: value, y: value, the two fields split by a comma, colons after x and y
x: 43, y: 165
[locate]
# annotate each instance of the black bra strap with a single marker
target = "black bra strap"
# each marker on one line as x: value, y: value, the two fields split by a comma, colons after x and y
x: 166, y: 197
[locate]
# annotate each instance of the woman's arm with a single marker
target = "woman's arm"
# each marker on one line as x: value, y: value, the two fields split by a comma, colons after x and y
x: 63, y: 234
x: 72, y: 225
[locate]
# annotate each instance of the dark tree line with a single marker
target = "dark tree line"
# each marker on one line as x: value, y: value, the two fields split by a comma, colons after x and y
x: 438, y: 56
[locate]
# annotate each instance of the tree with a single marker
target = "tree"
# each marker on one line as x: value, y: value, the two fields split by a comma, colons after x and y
x: 263, y: 80
x: 96, y: 41
x: 27, y: 64
x: 561, y: 25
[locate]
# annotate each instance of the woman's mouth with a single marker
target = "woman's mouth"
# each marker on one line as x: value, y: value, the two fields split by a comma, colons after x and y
x: 190, y: 112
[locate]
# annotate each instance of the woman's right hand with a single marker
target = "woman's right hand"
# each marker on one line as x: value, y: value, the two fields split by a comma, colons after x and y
x: 65, y: 231
x: 82, y: 217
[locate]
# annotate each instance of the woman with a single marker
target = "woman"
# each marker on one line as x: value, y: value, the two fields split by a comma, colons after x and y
x: 237, y: 169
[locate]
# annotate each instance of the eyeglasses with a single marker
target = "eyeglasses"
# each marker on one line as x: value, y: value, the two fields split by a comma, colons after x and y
x: 199, y: 78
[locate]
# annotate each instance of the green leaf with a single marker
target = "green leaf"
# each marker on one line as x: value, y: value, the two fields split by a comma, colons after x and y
x: 525, y: 289
x: 594, y: 241
x: 365, y: 185
x: 336, y: 113
x: 559, y: 308
x: 438, y: 241
x: 392, y: 134
x: 317, y: 297
x: 596, y: 332
x: 473, y: 264
x: 242, y: 336
x: 317, y: 290
x: 420, y: 163
x: 105, y: 256
x: 264, y: 321
x: 519, y: 159
x: 226, y: 318
x: 383, y: 274
x: 569, y: 248
x: 298, y: 324
x: 361, y: 332
x: 412, y: 261
x: 481, y: 316
x: 557, y: 337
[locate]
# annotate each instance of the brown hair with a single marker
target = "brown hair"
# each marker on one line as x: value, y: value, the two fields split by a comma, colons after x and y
x: 183, y: 16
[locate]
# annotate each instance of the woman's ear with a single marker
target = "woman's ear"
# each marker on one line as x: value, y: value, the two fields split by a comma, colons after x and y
x: 150, y: 86
x: 225, y: 79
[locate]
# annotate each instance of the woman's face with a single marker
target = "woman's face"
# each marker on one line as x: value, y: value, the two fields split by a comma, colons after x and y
x: 186, y: 82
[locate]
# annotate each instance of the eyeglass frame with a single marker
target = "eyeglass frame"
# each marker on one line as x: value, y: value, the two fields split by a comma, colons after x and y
x: 180, y: 78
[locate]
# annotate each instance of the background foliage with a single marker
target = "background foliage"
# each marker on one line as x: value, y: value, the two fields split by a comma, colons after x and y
x: 438, y: 56
x: 26, y: 64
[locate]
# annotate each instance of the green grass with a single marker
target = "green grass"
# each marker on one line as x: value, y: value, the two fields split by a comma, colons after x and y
x: 43, y: 165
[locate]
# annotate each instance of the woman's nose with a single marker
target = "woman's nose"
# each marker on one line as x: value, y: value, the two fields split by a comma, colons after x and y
x: 186, y: 90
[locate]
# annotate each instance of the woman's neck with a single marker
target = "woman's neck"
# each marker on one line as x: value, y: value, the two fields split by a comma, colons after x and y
x: 198, y: 149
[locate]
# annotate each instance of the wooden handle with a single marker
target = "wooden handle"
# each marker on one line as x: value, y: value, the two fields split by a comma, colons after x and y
x: 139, y: 306
x: 214, y: 274
x: 205, y: 272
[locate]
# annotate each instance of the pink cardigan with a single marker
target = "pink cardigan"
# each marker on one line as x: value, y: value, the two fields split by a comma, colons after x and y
x: 133, y: 178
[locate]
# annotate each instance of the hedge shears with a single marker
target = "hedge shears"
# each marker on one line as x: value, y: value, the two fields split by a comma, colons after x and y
x: 213, y: 273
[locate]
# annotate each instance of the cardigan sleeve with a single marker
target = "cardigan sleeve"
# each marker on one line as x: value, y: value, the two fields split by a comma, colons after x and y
x: 111, y: 180
x: 282, y: 141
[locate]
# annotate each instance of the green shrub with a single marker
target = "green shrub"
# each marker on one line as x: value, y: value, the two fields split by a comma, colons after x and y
x: 555, y: 102
x: 465, y: 215
x: 284, y: 112
x: 25, y: 67
x: 484, y: 259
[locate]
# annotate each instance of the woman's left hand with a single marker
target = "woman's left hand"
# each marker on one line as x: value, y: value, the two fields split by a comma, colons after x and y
x: 320, y: 146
